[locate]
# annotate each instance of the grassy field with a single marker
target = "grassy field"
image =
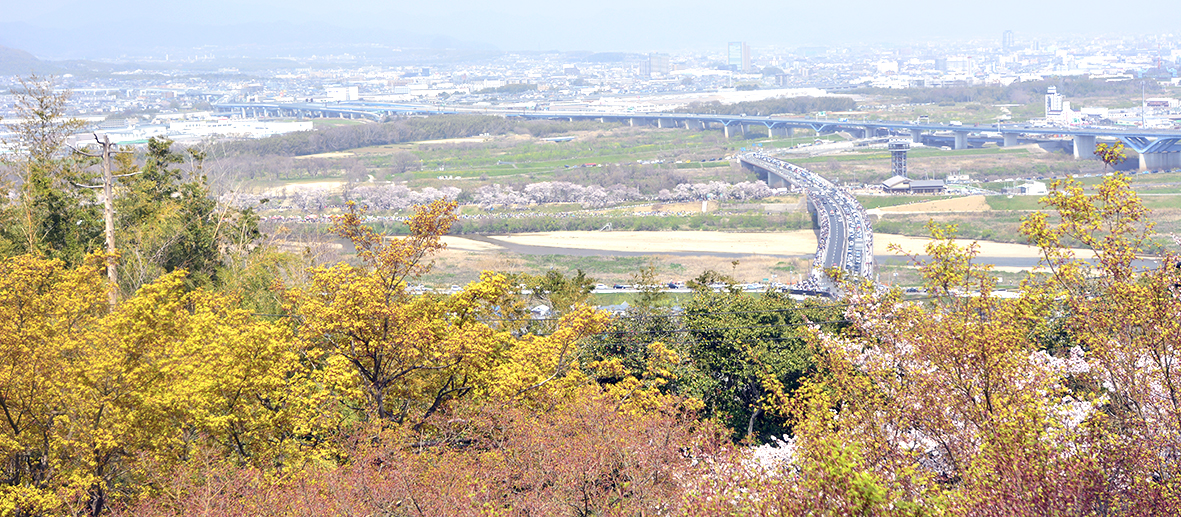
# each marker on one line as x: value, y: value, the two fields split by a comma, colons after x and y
x: 904, y: 275
x: 521, y: 158
x: 999, y: 226
x: 1003, y: 223
x: 1014, y: 203
x: 1151, y: 183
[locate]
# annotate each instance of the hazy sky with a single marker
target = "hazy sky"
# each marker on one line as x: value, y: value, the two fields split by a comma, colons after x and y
x: 600, y: 25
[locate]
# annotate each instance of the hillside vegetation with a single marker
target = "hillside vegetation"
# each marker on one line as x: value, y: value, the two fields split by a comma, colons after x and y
x: 197, y: 368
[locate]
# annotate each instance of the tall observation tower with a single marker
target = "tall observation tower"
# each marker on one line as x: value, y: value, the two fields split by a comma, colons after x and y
x: 898, y: 150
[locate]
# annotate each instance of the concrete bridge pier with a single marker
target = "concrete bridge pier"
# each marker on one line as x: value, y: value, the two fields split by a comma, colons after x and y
x: 1160, y: 161
x: 777, y: 181
x: 1084, y: 147
x: 631, y: 122
x: 660, y: 123
x: 726, y: 130
x: 1010, y: 139
x: 961, y: 140
x: 916, y: 136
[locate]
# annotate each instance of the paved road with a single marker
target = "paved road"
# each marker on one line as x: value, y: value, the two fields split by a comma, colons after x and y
x: 846, y: 241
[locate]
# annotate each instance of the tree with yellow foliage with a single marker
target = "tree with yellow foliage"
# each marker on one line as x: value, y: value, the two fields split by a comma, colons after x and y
x: 1111, y: 154
x: 415, y: 355
x: 94, y: 401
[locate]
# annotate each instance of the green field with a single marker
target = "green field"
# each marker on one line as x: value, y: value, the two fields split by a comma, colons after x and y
x: 1014, y: 203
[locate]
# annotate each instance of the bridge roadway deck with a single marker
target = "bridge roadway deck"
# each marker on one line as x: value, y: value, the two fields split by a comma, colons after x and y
x: 1166, y: 144
x: 827, y: 125
x: 376, y: 110
x: 846, y: 239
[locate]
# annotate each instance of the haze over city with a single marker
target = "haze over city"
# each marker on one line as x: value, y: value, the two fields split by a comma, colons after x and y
x: 66, y: 29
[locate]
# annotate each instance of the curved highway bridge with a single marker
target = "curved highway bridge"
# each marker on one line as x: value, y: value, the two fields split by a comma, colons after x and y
x: 846, y: 239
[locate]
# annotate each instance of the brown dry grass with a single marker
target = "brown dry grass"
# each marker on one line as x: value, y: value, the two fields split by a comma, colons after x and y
x: 778, y: 243
x: 462, y: 266
x: 672, y: 253
x: 959, y: 204
x: 981, y: 167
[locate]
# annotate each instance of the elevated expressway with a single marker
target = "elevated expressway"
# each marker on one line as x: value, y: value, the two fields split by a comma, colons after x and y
x: 1158, y: 149
x: 846, y: 239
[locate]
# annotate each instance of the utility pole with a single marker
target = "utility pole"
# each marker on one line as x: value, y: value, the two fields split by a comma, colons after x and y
x: 109, y: 219
x: 108, y: 210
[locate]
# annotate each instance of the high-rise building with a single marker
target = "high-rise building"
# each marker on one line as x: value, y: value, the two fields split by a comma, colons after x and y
x: 658, y: 64
x: 739, y: 56
x: 1053, y: 103
x: 1007, y: 42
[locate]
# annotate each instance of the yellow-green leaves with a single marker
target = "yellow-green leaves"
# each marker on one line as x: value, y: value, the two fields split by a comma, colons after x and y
x: 414, y: 356
x: 89, y: 398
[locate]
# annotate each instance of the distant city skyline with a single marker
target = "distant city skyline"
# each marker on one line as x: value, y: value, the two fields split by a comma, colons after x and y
x: 58, y: 29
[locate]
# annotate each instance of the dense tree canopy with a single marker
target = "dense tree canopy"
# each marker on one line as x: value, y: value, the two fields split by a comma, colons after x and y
x: 961, y: 403
x: 235, y: 379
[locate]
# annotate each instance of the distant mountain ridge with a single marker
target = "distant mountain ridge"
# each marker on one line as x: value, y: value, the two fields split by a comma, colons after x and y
x: 18, y: 62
